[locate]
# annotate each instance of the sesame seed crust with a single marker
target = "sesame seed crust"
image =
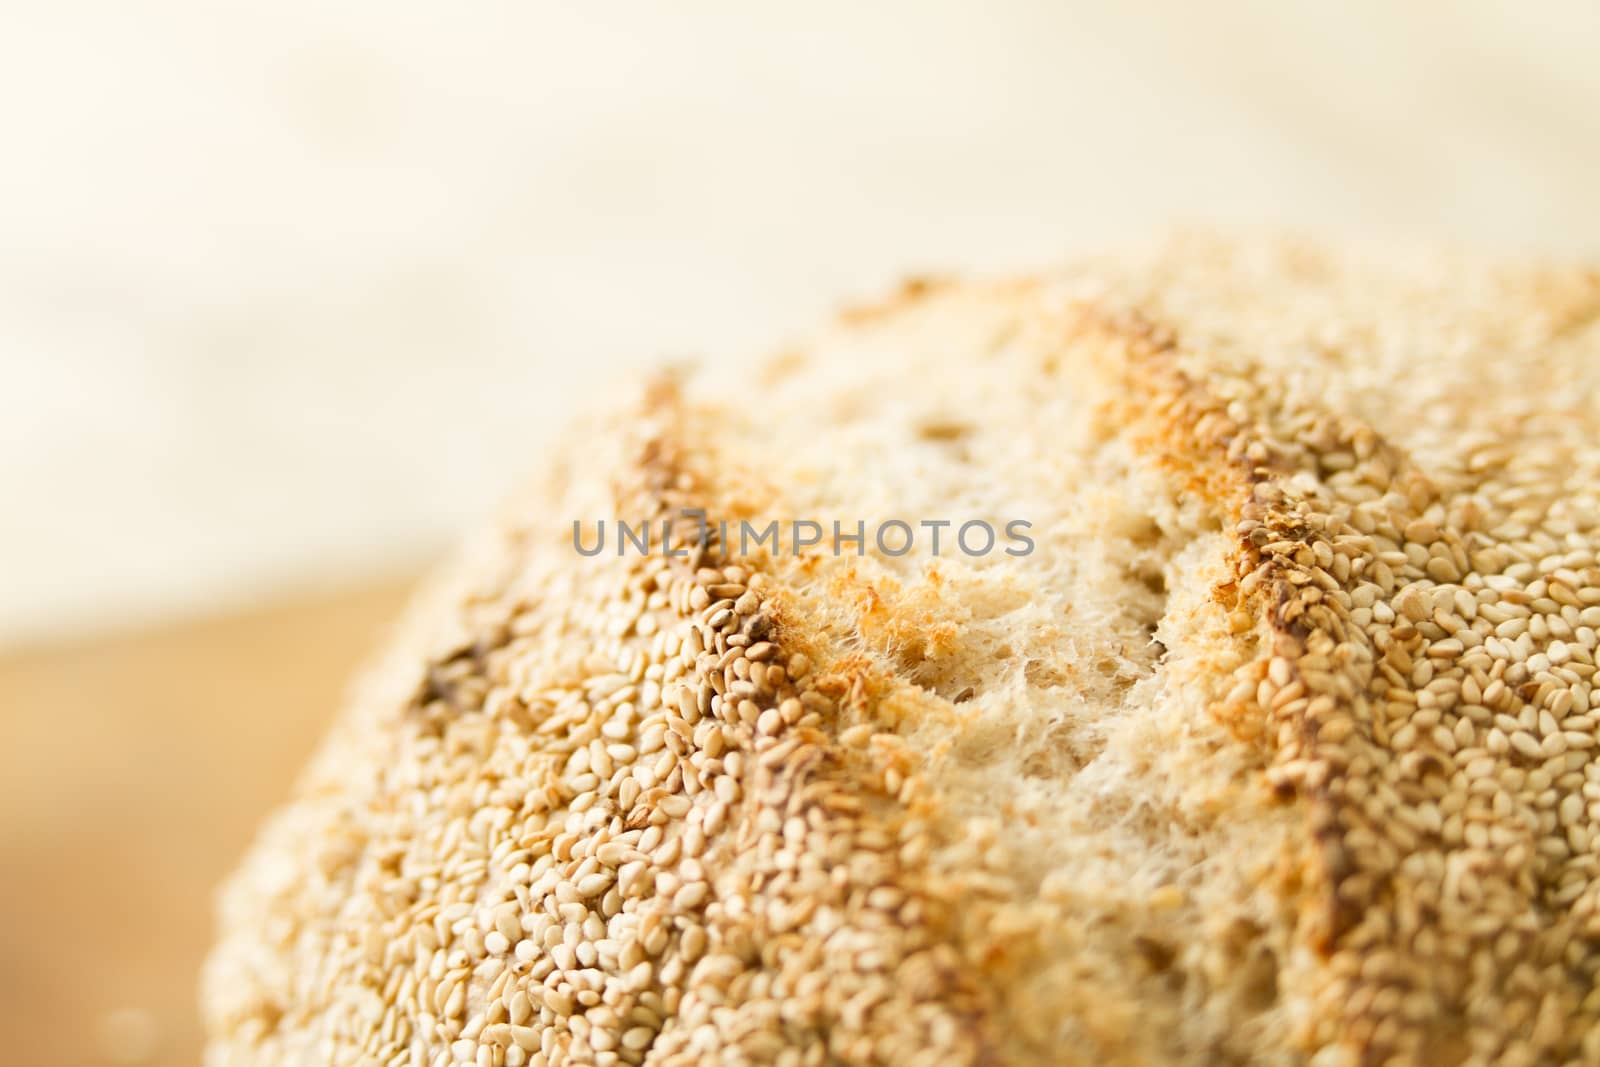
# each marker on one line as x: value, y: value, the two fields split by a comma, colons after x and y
x: 1278, y: 750
x: 593, y: 839
x: 1426, y: 673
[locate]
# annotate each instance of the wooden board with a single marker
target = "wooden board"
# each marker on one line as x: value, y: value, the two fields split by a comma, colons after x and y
x: 133, y: 770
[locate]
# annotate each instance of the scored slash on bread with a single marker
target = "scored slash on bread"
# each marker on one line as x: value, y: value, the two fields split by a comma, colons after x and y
x: 1276, y: 749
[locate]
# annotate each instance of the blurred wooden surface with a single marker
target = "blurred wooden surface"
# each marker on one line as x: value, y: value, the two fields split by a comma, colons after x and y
x: 133, y: 769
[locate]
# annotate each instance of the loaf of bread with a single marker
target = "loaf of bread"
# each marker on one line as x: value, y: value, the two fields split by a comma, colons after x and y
x: 1262, y: 729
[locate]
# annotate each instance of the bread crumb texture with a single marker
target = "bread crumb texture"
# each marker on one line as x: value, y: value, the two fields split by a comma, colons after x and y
x: 1279, y: 748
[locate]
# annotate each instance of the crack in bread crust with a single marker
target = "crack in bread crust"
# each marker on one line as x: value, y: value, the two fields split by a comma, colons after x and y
x: 1410, y: 976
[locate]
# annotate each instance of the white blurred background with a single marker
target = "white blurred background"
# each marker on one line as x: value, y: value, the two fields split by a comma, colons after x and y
x: 290, y: 292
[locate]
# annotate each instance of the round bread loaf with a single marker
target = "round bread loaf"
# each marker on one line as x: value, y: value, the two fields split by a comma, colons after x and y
x: 1263, y: 732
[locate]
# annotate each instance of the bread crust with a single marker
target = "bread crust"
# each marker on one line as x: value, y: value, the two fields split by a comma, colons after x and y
x: 1264, y: 758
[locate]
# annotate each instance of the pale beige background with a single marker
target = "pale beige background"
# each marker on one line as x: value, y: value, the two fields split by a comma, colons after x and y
x: 290, y: 291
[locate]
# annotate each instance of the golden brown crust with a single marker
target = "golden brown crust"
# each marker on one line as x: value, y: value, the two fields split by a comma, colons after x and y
x: 762, y: 896
x: 1277, y: 751
x: 1446, y: 773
